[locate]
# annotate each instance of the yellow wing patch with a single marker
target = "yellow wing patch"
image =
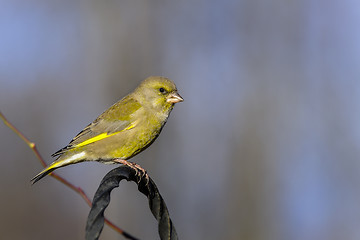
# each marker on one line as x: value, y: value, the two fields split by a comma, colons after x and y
x: 101, y: 136
x: 95, y: 139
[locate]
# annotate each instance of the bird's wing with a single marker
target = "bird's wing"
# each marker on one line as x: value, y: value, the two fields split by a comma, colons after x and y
x: 118, y: 118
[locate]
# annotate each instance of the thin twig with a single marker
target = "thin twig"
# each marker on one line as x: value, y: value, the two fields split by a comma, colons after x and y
x: 78, y: 190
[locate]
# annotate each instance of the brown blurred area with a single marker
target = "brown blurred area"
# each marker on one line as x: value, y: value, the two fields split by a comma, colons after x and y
x: 265, y: 145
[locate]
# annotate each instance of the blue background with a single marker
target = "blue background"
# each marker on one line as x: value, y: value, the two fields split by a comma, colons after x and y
x: 265, y: 146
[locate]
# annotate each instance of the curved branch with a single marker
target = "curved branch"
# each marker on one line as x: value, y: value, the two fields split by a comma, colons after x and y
x: 146, y: 186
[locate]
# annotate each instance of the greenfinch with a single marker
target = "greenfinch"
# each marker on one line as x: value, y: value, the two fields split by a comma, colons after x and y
x: 124, y: 130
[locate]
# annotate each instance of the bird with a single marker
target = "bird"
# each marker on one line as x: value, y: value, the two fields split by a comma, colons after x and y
x: 122, y: 131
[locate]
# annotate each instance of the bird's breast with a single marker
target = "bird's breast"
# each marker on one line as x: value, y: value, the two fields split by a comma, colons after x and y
x: 133, y: 141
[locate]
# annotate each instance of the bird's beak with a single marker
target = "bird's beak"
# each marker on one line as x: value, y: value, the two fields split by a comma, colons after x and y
x: 174, y: 97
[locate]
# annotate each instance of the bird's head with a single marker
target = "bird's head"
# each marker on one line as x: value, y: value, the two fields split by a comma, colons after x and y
x: 158, y: 93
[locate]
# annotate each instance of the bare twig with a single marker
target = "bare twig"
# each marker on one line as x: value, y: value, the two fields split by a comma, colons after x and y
x: 78, y: 190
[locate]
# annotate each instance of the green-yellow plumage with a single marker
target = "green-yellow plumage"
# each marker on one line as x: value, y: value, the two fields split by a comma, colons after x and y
x: 125, y: 129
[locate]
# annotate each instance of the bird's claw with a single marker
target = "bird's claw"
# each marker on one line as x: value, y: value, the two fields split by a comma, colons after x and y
x: 140, y: 172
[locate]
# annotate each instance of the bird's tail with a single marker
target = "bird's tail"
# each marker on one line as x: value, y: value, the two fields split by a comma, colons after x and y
x: 42, y: 174
x: 58, y: 164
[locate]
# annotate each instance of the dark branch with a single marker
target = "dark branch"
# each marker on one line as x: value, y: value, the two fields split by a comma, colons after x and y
x: 146, y: 186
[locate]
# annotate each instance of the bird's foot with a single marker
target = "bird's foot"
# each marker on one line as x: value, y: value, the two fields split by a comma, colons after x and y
x: 139, y: 171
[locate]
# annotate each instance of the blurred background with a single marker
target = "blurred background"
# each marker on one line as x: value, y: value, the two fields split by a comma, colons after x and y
x: 265, y: 146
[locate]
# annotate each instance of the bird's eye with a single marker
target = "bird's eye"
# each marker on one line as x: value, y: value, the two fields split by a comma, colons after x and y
x: 162, y: 90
